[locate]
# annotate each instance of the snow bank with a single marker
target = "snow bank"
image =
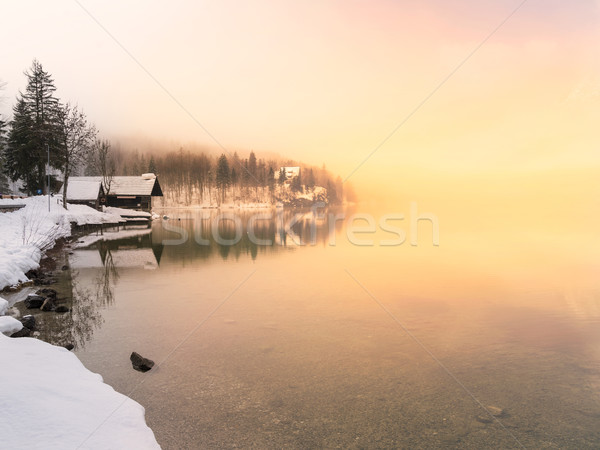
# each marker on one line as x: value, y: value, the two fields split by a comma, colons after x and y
x: 3, y: 306
x: 90, y: 239
x: 9, y: 325
x: 26, y: 233
x: 126, y: 212
x: 49, y: 400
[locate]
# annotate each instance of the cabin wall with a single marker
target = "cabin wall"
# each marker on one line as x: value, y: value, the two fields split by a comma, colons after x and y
x: 138, y: 202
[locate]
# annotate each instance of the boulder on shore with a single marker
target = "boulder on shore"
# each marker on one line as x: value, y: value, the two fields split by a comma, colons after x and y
x: 28, y: 321
x: 140, y: 363
x: 23, y: 332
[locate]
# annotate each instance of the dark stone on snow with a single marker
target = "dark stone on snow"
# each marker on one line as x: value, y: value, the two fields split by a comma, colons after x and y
x: 47, y: 292
x: 69, y: 347
x: 61, y: 309
x: 23, y: 332
x: 140, y: 363
x: 48, y: 305
x: 34, y: 301
x: 28, y: 321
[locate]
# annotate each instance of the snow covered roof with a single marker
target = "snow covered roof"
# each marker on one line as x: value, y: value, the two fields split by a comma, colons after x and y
x: 146, y: 184
x: 79, y: 189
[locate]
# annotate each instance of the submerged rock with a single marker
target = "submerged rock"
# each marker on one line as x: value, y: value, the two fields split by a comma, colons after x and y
x: 488, y: 416
x: 61, y: 309
x: 34, y: 301
x: 495, y: 411
x: 140, y: 363
x: 47, y: 292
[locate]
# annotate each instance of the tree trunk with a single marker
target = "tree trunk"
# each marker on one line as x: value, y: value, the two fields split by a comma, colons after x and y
x: 64, y: 196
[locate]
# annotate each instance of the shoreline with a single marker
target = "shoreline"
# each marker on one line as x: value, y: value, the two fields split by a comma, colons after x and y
x: 71, y: 405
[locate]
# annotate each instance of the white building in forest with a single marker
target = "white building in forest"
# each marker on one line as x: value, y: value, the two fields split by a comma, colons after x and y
x: 290, y: 172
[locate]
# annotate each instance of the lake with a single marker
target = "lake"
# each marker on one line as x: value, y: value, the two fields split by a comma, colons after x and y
x: 271, y: 330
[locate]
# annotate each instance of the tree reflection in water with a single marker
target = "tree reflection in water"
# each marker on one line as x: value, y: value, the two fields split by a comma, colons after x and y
x: 90, y: 285
x: 85, y: 304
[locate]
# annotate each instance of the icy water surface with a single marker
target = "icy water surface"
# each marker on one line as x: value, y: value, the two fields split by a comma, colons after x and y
x: 480, y: 342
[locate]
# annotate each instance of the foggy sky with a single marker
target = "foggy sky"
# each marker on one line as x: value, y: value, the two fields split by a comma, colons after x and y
x: 327, y: 82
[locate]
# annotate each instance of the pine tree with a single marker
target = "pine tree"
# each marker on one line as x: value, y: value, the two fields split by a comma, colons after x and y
x: 271, y: 181
x: 282, y: 176
x: 20, y: 148
x: 310, y: 179
x: 35, y: 129
x: 3, y: 180
x: 152, y: 165
x: 252, y: 170
x: 223, y: 176
x: 296, y: 184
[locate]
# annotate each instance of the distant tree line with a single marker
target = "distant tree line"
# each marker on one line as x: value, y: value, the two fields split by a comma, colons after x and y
x: 42, y: 127
x: 189, y: 177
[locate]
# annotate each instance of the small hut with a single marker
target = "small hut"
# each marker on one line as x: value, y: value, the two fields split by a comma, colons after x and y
x: 85, y: 192
x: 127, y: 192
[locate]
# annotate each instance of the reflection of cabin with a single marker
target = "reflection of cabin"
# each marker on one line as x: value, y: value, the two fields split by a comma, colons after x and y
x: 128, y: 192
x: 85, y: 192
x: 118, y: 249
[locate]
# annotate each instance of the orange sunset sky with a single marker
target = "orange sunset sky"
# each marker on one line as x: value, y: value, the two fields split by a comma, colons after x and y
x: 327, y: 82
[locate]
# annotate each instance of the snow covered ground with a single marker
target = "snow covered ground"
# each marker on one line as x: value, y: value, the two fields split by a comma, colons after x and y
x: 49, y: 400
x: 126, y: 212
x: 26, y: 233
x: 9, y: 325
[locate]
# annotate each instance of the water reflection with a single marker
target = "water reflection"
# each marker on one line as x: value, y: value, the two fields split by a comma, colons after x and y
x: 191, y: 235
x: 100, y: 258
x: 301, y: 356
x: 94, y: 273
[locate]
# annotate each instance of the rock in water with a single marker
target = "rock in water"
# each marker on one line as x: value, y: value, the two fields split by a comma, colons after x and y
x: 48, y: 305
x: 34, y: 301
x: 23, y: 332
x: 61, y: 309
x: 69, y: 347
x: 495, y: 411
x: 140, y: 363
x: 28, y: 321
x: 47, y: 292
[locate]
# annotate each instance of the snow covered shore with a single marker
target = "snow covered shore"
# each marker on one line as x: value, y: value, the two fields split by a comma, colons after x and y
x: 49, y: 400
x: 27, y: 232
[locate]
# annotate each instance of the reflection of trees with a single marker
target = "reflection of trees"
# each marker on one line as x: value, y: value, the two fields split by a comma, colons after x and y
x: 283, y: 229
x: 86, y: 301
x: 106, y: 280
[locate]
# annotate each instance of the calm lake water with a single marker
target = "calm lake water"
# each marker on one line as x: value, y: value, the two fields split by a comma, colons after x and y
x: 487, y: 340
